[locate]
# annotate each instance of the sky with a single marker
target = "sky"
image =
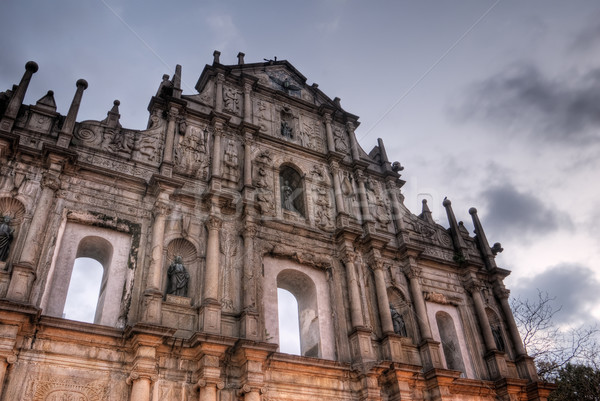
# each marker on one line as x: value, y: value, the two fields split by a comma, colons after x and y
x: 494, y: 104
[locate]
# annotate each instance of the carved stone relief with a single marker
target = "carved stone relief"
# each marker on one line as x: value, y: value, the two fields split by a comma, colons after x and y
x: 349, y: 194
x: 66, y: 388
x: 232, y: 100
x: 378, y: 205
x: 148, y: 147
x: 39, y: 122
x: 230, y: 244
x: 340, y: 139
x: 118, y: 141
x: 311, y: 135
x: 262, y: 115
x: 231, y: 168
x: 263, y: 182
x: 190, y: 153
x: 322, y: 206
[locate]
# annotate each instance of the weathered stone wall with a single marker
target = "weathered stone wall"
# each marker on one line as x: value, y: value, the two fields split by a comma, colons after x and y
x: 255, y: 182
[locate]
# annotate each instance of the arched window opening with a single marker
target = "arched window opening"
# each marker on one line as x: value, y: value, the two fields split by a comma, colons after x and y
x: 303, y: 289
x: 289, y: 328
x: 84, y: 290
x: 292, y: 191
x: 450, y: 344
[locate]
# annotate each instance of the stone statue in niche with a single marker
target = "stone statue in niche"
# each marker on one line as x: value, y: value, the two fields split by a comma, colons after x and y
x: 231, y: 172
x: 6, y: 237
x: 398, y: 322
x: 178, y: 278
x: 263, y: 115
x: 498, y: 338
x: 288, y: 201
x: 287, y: 120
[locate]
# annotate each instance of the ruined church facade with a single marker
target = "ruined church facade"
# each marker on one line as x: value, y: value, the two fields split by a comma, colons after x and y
x: 253, y: 184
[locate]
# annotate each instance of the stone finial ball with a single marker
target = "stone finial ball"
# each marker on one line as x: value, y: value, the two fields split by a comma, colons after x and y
x: 31, y: 66
x: 116, y: 102
x: 51, y: 93
x: 82, y: 82
x: 424, y: 201
x: 472, y: 211
x: 446, y: 202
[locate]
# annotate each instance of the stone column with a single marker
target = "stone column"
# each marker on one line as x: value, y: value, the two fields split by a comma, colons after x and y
x: 219, y: 93
x: 329, y: 132
x: 140, y: 387
x: 484, y: 323
x: 353, y: 143
x: 413, y: 273
x: 247, y: 102
x: 249, y: 323
x: 12, y: 110
x: 211, y: 279
x: 339, y: 200
x: 207, y: 390
x: 250, y: 393
x: 383, y: 302
x: 167, y: 161
x: 4, y: 363
x: 362, y: 196
x: 24, y: 271
x: 64, y: 137
x: 160, y: 211
x: 248, y: 159
x: 50, y: 183
x: 355, y: 306
x: 210, y: 311
x: 429, y: 348
x: 153, y: 292
x: 502, y: 295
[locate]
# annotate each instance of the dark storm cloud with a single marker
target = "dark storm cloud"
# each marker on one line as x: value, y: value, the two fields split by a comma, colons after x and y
x: 574, y: 287
x: 523, y: 99
x: 513, y: 212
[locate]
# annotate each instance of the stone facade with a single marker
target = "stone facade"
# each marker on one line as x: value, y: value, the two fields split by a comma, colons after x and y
x: 255, y: 183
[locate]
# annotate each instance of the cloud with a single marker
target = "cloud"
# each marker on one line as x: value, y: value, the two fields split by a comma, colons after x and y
x: 523, y: 99
x: 513, y: 212
x: 575, y: 288
x: 588, y: 38
x: 224, y: 31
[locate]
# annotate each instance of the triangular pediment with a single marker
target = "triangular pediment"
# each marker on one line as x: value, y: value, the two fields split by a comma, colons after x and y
x: 279, y: 76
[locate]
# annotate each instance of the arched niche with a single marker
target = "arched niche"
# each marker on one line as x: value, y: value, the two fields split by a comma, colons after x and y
x: 13, y: 211
x: 398, y: 303
x: 292, y: 191
x: 189, y: 257
x: 497, y: 330
x: 110, y: 248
